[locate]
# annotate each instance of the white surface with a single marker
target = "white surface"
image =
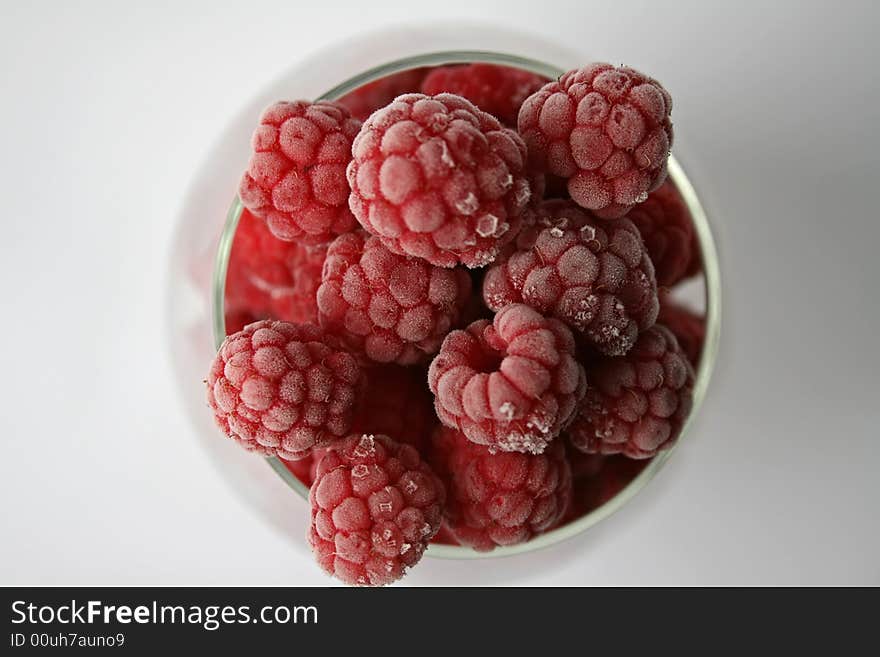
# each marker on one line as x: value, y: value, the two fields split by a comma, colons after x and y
x: 108, y: 110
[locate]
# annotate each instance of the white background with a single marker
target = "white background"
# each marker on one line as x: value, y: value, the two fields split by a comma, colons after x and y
x: 109, y: 108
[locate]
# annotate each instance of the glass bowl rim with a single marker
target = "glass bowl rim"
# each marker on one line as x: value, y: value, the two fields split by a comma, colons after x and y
x: 711, y: 273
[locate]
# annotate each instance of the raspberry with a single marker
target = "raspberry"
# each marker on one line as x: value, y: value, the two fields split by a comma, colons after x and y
x: 389, y: 307
x: 512, y: 384
x: 687, y: 327
x: 668, y: 233
x: 375, y: 506
x: 605, y: 129
x: 594, y: 275
x: 397, y: 403
x: 499, y: 90
x: 500, y: 499
x: 439, y: 179
x: 636, y: 404
x: 296, y: 176
x: 281, y: 389
x: 374, y: 95
x: 268, y: 277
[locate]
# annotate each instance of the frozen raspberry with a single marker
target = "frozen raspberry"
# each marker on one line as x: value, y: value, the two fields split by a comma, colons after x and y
x: 593, y: 274
x: 687, y: 327
x: 605, y: 129
x: 375, y: 507
x: 374, y: 95
x: 439, y: 179
x: 512, y: 384
x: 636, y: 404
x: 668, y: 233
x: 499, y: 90
x: 268, y: 277
x: 387, y: 306
x: 397, y: 403
x: 500, y: 499
x: 296, y: 176
x: 281, y: 389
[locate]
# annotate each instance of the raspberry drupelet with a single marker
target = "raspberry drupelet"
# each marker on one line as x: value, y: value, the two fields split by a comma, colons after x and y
x: 397, y: 403
x: 669, y: 235
x: 268, y: 277
x: 375, y: 507
x: 388, y: 307
x: 511, y: 384
x: 595, y: 275
x: 439, y: 179
x: 636, y: 404
x: 499, y: 90
x: 281, y: 389
x: 296, y: 176
x: 500, y: 499
x: 606, y: 130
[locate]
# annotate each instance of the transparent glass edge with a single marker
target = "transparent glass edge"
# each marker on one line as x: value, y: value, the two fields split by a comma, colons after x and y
x: 711, y: 272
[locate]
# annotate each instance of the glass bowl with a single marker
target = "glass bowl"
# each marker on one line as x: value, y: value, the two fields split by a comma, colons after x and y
x: 711, y: 293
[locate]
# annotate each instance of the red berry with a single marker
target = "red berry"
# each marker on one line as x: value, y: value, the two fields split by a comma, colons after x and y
x: 606, y: 130
x: 593, y: 274
x: 374, y: 95
x: 375, y: 506
x: 512, y: 384
x: 397, y: 403
x: 268, y: 277
x: 500, y: 499
x: 499, y: 90
x: 389, y: 307
x: 281, y: 389
x: 669, y: 235
x: 687, y: 327
x: 636, y: 404
x: 439, y: 179
x: 296, y: 176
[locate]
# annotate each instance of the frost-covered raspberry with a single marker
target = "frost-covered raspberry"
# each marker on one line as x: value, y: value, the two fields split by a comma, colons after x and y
x: 687, y: 327
x: 375, y: 506
x: 296, y: 176
x: 605, y: 129
x: 593, y: 274
x: 503, y: 498
x: 511, y: 384
x: 389, y: 307
x: 374, y: 95
x: 397, y: 403
x: 668, y: 232
x: 636, y: 404
x: 499, y: 90
x: 281, y: 389
x: 268, y: 277
x: 439, y: 179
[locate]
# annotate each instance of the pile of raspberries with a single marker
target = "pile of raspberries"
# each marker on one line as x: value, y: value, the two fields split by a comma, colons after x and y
x: 442, y: 306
